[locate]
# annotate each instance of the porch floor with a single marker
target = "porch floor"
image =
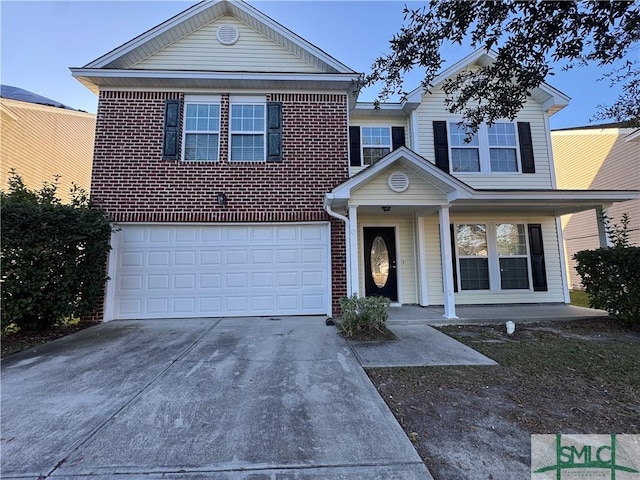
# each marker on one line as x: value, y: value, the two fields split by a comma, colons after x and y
x: 478, y: 314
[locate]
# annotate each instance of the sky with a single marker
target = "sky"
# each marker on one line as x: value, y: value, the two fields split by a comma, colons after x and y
x: 41, y: 40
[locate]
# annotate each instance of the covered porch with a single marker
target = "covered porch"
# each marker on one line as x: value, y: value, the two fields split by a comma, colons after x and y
x: 413, y: 216
x: 490, y: 314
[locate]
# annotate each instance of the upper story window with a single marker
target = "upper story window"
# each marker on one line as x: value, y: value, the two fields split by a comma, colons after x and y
x: 248, y: 129
x: 376, y: 143
x: 492, y: 149
x: 369, y: 144
x: 201, y: 133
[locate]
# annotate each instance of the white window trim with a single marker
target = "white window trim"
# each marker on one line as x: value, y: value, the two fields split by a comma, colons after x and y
x: 199, y: 99
x: 248, y: 100
x: 483, y: 149
x: 362, y: 145
x: 493, y: 258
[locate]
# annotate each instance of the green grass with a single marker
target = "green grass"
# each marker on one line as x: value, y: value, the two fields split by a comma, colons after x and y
x: 579, y: 298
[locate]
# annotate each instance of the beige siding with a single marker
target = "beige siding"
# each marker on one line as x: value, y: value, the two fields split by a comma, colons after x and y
x: 377, y: 191
x: 432, y: 109
x: 552, y: 259
x: 596, y: 159
x: 405, y: 252
x: 201, y: 50
x: 40, y: 142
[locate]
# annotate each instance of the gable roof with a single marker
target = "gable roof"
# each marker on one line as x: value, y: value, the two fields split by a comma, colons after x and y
x: 120, y: 63
x: 552, y: 99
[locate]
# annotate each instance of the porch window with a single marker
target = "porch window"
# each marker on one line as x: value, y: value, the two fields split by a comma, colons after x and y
x: 376, y: 143
x: 494, y: 148
x: 473, y: 257
x: 247, y: 129
x: 492, y: 256
x: 201, y: 130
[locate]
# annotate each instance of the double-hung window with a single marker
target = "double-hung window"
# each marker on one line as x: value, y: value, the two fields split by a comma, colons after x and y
x: 473, y: 256
x: 511, y: 240
x: 201, y: 133
x: 493, y: 148
x: 247, y: 129
x: 376, y: 143
x: 492, y: 256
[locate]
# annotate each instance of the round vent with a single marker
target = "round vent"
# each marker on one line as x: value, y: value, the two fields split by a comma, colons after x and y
x: 398, y: 182
x: 227, y: 34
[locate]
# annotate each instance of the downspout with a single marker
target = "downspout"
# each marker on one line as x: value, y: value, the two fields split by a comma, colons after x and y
x: 347, y: 234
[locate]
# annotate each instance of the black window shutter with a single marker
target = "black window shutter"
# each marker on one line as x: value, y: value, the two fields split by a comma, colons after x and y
x: 397, y: 137
x: 171, y: 135
x: 453, y: 257
x: 274, y: 132
x: 538, y: 269
x: 441, y: 144
x: 526, y: 147
x: 354, y: 146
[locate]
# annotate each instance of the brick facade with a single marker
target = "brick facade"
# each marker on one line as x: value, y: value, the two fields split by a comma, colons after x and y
x: 132, y: 183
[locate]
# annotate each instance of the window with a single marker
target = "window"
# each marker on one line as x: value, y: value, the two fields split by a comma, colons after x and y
x: 493, y: 148
x: 473, y: 257
x: 503, y: 147
x: 376, y: 143
x: 512, y: 256
x: 465, y: 156
x: 492, y: 256
x: 201, y: 130
x: 247, y: 129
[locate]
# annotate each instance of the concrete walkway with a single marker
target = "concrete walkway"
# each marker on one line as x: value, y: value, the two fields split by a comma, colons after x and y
x: 245, y: 398
x: 417, y: 346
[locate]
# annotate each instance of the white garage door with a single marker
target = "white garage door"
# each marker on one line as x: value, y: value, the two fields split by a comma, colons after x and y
x: 203, y: 271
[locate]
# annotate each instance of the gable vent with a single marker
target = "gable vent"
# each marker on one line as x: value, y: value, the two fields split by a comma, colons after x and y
x: 398, y: 182
x: 227, y: 34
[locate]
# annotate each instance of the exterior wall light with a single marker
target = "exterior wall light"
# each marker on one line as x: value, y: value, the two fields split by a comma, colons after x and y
x: 386, y: 209
x: 221, y: 198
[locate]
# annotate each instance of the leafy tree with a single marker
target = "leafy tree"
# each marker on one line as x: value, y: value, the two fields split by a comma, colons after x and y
x: 53, y: 255
x: 526, y: 37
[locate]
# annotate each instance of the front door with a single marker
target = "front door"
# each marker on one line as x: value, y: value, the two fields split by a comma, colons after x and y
x: 380, y: 272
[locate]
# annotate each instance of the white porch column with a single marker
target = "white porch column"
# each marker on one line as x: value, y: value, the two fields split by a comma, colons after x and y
x: 447, y: 263
x: 605, y: 241
x: 353, y: 251
x: 421, y: 254
x: 563, y: 261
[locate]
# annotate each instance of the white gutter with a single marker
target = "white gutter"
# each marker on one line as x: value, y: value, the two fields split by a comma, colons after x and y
x: 347, y: 234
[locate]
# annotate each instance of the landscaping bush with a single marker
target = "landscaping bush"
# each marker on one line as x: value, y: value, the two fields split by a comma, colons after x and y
x: 611, y: 277
x: 363, y: 314
x: 53, y: 255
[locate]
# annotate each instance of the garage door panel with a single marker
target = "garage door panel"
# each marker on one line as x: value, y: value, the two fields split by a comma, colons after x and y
x: 182, y: 271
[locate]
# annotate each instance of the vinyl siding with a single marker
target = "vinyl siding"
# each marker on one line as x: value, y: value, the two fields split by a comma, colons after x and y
x: 432, y: 109
x: 552, y: 260
x: 377, y: 191
x: 40, y: 142
x: 405, y: 252
x: 201, y: 50
x: 596, y: 159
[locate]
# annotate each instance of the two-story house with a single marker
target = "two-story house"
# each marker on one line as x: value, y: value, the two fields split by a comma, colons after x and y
x: 246, y: 179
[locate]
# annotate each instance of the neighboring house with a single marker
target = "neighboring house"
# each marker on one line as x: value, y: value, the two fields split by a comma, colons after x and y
x: 596, y: 157
x: 41, y: 138
x: 246, y: 179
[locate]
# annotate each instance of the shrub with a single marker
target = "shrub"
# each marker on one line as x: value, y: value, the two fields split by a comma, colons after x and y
x: 611, y: 277
x: 53, y: 255
x: 363, y: 314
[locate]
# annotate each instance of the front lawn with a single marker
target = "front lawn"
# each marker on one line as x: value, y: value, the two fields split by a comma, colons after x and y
x: 475, y: 422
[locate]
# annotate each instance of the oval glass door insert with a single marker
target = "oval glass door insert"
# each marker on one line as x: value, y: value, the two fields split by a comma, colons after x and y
x: 379, y: 262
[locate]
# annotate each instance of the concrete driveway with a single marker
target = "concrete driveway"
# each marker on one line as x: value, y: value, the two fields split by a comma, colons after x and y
x: 244, y: 398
